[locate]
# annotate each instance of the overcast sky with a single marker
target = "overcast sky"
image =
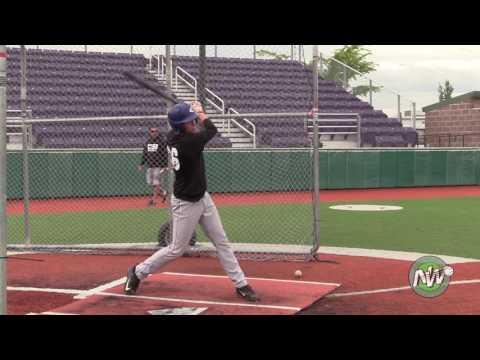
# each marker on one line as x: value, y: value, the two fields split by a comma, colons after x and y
x: 414, y: 71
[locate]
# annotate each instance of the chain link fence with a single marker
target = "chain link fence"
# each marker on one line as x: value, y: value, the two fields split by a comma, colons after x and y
x: 87, y: 124
x: 96, y: 199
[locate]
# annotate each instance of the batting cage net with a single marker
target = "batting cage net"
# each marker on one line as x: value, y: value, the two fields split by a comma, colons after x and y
x: 100, y: 199
x: 77, y: 127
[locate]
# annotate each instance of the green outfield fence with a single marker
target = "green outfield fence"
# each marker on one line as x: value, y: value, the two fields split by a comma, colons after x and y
x: 66, y: 174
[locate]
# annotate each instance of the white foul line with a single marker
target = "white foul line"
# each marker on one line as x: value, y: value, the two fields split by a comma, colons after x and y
x: 199, y: 301
x: 100, y: 288
x: 378, y: 291
x: 367, y: 292
x: 51, y: 313
x: 46, y: 290
x: 254, y: 278
x: 70, y: 291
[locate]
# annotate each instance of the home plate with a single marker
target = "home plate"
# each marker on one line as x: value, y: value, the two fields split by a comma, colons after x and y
x: 171, y: 293
x: 178, y: 311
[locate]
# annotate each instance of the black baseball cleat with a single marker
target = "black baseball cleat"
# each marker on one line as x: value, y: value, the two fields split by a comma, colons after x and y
x: 132, y: 283
x: 247, y: 293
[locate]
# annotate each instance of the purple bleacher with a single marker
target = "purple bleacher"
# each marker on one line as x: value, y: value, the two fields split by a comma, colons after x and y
x: 69, y: 84
x: 66, y: 84
x: 390, y: 141
x: 250, y: 85
x: 219, y: 142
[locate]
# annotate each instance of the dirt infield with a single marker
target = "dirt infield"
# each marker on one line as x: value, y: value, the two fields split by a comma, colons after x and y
x: 41, y: 283
x: 383, y: 282
x: 128, y: 203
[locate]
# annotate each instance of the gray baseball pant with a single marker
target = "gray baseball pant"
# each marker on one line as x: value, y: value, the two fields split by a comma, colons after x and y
x: 186, y: 215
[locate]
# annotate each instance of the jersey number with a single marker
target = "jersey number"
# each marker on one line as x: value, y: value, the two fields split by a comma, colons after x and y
x: 173, y: 153
x: 152, y: 147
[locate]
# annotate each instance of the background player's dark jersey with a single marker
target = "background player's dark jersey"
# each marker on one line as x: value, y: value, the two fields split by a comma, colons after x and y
x: 155, y: 153
x: 186, y: 151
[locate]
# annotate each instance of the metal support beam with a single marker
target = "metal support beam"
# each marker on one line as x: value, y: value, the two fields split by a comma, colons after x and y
x: 316, y: 157
x: 3, y: 180
x: 168, y: 73
x: 25, y: 176
x: 414, y: 115
x: 370, y: 90
x: 202, y: 74
x: 399, y: 109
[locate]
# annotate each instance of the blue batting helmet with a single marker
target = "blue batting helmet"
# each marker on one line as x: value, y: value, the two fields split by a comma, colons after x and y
x: 181, y: 114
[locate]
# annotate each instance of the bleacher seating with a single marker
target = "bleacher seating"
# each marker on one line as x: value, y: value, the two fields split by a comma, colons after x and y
x: 69, y: 84
x: 284, y: 86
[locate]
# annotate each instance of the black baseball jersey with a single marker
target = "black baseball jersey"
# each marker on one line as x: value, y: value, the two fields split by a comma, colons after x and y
x: 186, y: 153
x: 155, y: 153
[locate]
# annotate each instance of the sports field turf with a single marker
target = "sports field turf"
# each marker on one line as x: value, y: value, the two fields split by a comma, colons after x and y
x: 443, y: 226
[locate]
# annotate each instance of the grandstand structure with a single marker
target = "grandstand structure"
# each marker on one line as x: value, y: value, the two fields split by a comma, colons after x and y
x: 70, y: 85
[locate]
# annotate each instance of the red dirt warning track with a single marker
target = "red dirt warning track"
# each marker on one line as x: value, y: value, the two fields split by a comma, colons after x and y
x: 128, y: 203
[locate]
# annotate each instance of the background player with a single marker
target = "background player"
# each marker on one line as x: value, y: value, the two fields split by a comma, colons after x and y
x: 156, y: 157
x: 191, y: 203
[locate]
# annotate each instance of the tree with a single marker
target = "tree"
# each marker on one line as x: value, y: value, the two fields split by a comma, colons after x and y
x: 271, y: 54
x: 357, y: 58
x: 354, y: 56
x: 445, y: 92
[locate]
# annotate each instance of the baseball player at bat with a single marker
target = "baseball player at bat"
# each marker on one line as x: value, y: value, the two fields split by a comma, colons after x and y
x: 191, y: 203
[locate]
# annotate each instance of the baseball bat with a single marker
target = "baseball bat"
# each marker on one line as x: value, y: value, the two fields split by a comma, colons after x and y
x: 170, y: 99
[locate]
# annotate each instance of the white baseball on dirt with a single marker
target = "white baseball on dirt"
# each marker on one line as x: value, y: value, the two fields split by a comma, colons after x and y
x: 448, y: 270
x: 298, y: 274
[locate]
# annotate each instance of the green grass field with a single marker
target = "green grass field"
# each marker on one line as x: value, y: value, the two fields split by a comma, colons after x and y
x: 446, y: 226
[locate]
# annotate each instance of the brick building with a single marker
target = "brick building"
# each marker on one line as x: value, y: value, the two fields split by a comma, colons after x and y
x: 454, y: 123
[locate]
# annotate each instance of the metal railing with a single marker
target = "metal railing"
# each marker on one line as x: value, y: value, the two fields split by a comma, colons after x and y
x: 165, y: 117
x: 194, y: 86
x: 252, y: 133
x: 350, y: 118
x: 180, y: 73
x: 333, y: 69
x: 14, y: 114
x: 220, y: 108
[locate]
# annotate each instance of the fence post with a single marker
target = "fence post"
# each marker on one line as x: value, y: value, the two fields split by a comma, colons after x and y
x: 26, y: 186
x: 316, y: 157
x: 414, y: 116
x: 168, y: 73
x: 321, y: 65
x: 202, y: 75
x: 26, y: 181
x: 359, y: 131
x: 254, y: 52
x: 370, y: 91
x: 3, y: 180
x: 399, y: 111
